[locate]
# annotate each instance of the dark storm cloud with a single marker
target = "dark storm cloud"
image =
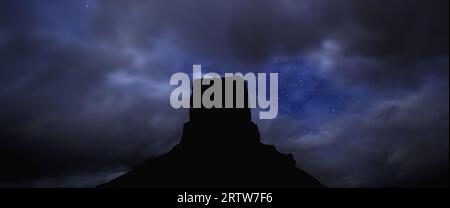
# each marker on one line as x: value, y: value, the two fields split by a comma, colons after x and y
x: 401, y: 29
x: 402, y: 32
x: 85, y: 89
x: 233, y: 31
x: 70, y: 107
x: 66, y: 109
x: 391, y: 142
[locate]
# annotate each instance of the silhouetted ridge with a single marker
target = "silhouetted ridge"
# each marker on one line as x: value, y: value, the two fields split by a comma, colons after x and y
x: 218, y: 148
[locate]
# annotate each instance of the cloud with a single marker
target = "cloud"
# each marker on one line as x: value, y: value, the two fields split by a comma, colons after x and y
x: 72, y: 106
x: 85, y: 90
x: 401, y: 141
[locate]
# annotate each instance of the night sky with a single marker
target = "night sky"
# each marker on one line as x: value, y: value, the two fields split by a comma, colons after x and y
x: 363, y: 85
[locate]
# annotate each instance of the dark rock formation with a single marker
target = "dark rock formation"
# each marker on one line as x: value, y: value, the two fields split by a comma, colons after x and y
x: 218, y: 148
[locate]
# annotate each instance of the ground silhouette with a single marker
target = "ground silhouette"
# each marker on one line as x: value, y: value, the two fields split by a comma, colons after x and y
x: 218, y: 148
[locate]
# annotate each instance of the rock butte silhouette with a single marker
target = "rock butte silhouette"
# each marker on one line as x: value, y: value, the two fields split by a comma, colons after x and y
x: 220, y: 147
